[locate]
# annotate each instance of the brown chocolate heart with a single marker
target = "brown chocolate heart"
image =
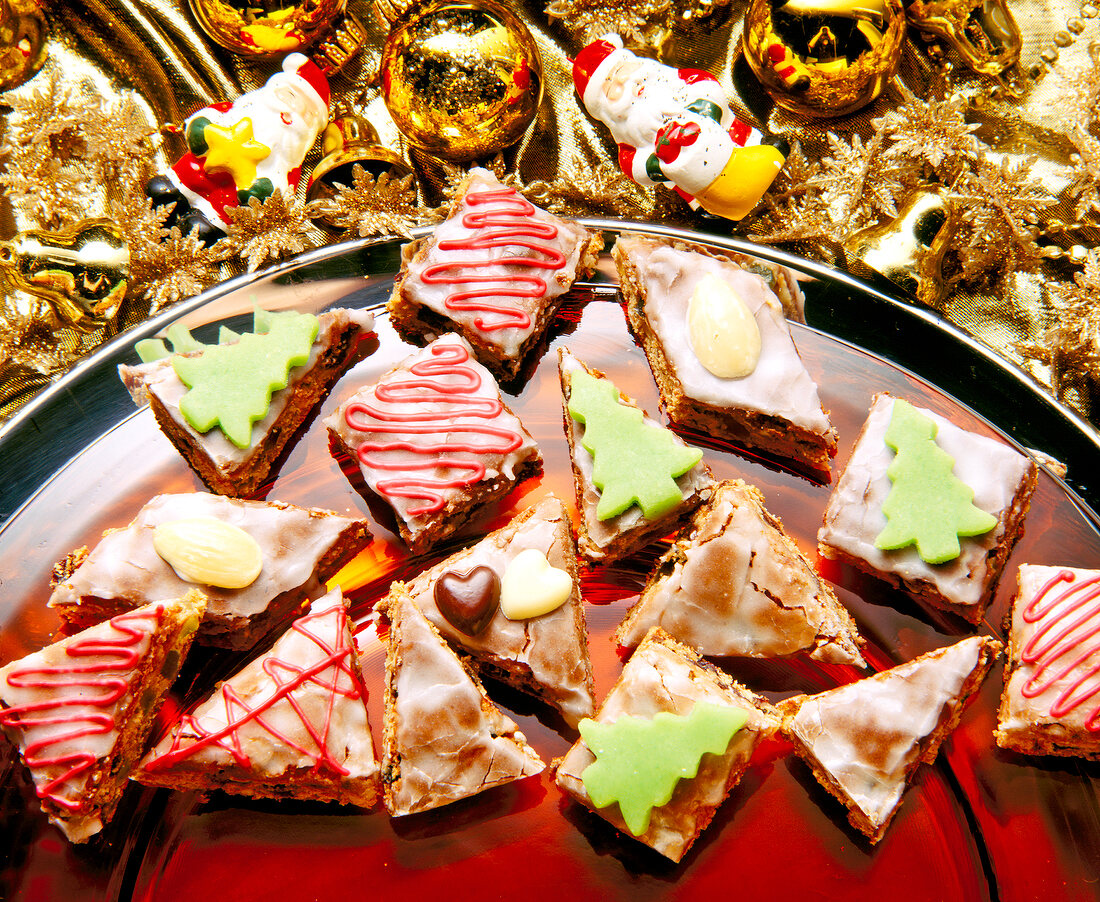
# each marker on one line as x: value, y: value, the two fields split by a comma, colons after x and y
x: 468, y: 600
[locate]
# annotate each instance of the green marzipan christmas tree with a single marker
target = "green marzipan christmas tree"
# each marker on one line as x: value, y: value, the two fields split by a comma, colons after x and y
x: 634, y: 461
x: 231, y: 384
x: 639, y: 761
x: 928, y: 505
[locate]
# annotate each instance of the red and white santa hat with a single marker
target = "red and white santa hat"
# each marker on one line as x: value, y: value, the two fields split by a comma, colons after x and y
x: 301, y: 66
x: 594, y: 63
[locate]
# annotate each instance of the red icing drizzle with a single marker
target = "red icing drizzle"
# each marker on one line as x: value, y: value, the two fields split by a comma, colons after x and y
x: 410, y: 417
x: 1063, y: 642
x: 190, y: 736
x: 508, y: 223
x: 95, y: 684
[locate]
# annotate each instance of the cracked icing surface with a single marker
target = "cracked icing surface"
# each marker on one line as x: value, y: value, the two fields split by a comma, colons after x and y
x: 125, y: 566
x: 869, y: 735
x: 492, y: 265
x: 160, y: 379
x: 778, y: 386
x: 444, y: 739
x: 658, y: 678
x: 554, y: 646
x: 297, y: 712
x: 739, y: 586
x: 603, y: 533
x: 854, y: 518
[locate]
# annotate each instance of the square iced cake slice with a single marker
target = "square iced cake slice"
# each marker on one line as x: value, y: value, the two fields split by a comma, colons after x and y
x: 956, y: 502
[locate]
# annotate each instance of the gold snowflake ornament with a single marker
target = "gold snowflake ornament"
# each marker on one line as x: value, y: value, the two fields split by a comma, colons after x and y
x: 370, y: 206
x: 273, y: 228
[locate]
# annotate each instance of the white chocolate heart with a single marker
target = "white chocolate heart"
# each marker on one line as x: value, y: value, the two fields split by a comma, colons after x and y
x: 722, y: 330
x: 530, y: 587
x: 209, y: 552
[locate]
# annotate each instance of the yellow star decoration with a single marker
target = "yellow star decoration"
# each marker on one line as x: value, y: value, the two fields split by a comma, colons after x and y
x: 234, y: 150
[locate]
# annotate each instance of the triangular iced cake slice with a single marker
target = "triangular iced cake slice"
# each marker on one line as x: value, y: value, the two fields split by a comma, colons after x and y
x: 291, y: 725
x: 665, y: 681
x: 735, y: 584
x: 863, y: 741
x: 471, y: 599
x: 495, y: 271
x: 80, y: 710
x: 443, y: 739
x: 298, y: 550
x: 721, y: 350
x: 641, y: 482
x: 231, y: 408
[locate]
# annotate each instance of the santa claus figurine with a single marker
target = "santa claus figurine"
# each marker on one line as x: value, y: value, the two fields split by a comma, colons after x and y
x: 250, y: 147
x: 676, y: 126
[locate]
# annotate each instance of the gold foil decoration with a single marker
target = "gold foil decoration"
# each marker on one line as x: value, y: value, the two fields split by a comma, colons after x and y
x: 278, y: 27
x: 83, y: 271
x: 23, y: 32
x: 824, y: 57
x: 461, y: 80
x: 349, y: 140
x: 909, y: 249
x: 983, y: 32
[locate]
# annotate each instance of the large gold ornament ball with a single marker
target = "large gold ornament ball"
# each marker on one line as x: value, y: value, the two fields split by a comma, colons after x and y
x: 267, y: 28
x: 824, y: 57
x: 462, y: 80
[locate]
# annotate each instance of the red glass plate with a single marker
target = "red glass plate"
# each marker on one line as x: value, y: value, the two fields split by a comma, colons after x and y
x: 979, y: 824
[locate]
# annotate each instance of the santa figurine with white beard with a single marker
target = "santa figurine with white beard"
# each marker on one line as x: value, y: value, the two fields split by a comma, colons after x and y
x: 249, y: 147
x: 676, y: 126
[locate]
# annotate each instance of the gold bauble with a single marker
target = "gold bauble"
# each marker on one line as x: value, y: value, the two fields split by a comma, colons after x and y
x: 349, y: 140
x: 23, y: 33
x: 824, y: 57
x: 462, y: 80
x: 983, y: 32
x: 83, y: 270
x: 278, y: 27
x: 909, y: 249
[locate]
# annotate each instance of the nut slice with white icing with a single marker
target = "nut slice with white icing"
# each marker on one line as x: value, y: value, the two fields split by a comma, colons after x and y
x: 863, y: 741
x: 299, y: 548
x: 735, y: 584
x: 443, y: 739
x: 547, y: 655
x: 721, y: 349
x: 291, y: 724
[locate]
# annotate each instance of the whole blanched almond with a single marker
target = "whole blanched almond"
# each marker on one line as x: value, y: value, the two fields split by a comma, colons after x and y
x: 722, y: 330
x: 209, y: 552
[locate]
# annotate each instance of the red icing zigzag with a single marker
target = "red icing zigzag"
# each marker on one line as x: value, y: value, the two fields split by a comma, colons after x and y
x: 1063, y: 642
x: 507, y: 224
x: 412, y: 419
x: 189, y: 736
x: 66, y: 680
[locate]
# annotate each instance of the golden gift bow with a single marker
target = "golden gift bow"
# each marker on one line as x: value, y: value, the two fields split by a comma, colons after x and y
x: 156, y: 51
